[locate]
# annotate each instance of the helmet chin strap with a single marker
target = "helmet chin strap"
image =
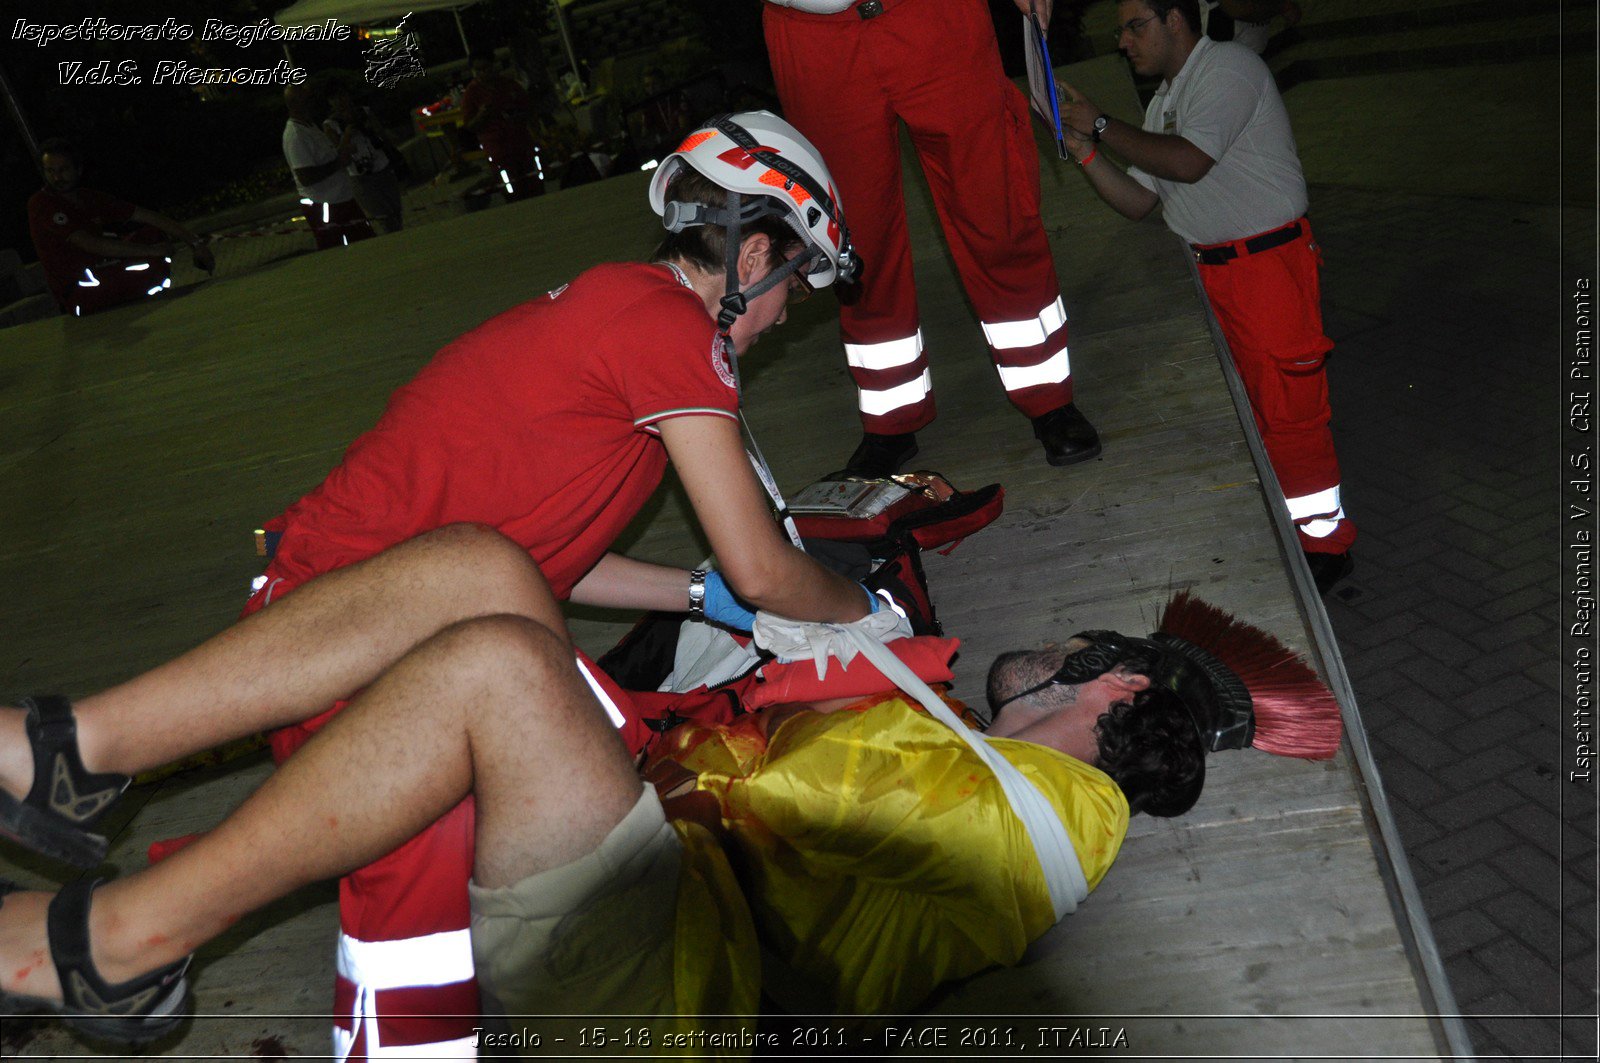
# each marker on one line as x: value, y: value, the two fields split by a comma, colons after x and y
x: 735, y: 301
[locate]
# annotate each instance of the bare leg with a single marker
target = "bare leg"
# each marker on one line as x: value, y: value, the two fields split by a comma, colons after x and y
x: 492, y: 706
x: 293, y: 659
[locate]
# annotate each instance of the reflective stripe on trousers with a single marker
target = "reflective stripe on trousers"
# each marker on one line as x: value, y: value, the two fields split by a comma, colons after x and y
x: 1029, y: 331
x: 878, y: 403
x: 1018, y: 345
x: 1317, y: 515
x: 889, y: 354
x: 1053, y: 370
x: 890, y: 375
x: 373, y: 967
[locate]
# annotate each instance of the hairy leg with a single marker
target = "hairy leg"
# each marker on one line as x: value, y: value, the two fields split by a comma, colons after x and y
x: 491, y: 706
x: 293, y: 659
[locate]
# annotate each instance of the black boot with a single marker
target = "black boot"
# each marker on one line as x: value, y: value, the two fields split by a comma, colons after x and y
x: 878, y: 457
x: 1067, y: 435
x: 1329, y: 569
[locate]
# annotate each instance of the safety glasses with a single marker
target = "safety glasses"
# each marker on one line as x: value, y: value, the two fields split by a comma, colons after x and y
x: 799, y: 288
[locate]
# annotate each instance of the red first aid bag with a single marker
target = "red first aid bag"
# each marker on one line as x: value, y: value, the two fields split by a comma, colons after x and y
x: 922, y: 505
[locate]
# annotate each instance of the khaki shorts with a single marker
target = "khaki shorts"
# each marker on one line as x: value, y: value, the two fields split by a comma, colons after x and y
x: 593, y: 937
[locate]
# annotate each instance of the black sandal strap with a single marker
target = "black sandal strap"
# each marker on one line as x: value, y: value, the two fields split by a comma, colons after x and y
x: 61, y: 784
x: 152, y: 999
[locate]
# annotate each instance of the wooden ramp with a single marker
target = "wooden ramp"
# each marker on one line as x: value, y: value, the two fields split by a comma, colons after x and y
x: 141, y: 446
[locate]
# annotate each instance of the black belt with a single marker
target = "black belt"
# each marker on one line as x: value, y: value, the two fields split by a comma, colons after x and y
x: 1221, y: 256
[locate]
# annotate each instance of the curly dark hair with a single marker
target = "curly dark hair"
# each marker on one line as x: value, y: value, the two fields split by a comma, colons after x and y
x: 1151, y: 750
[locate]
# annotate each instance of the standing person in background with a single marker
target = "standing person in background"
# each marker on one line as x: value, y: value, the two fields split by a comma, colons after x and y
x: 1217, y: 154
x: 497, y: 110
x: 377, y: 185
x: 318, y: 165
x: 91, y: 259
x: 848, y: 73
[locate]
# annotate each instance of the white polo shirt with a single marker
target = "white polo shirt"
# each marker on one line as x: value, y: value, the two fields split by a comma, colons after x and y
x: 306, y: 145
x: 816, y: 7
x: 1225, y: 103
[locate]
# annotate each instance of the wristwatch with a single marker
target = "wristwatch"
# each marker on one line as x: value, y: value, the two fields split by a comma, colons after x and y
x: 1099, y: 127
x: 697, y: 595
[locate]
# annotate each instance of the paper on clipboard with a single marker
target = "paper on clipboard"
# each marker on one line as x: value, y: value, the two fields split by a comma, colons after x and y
x: 1042, y: 80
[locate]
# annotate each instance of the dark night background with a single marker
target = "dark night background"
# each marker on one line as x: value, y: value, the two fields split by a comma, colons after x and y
x: 168, y: 147
x: 185, y: 153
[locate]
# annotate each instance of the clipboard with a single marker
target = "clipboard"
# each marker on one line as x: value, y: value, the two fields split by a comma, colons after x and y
x: 1042, y: 79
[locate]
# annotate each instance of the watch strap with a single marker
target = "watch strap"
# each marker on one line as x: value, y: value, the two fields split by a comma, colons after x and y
x: 697, y: 595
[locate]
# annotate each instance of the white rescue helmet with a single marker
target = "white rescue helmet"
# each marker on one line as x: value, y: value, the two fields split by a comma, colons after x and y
x: 768, y: 168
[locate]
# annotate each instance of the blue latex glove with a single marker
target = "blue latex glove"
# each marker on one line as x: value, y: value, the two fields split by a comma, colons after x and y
x: 878, y: 604
x: 723, y: 608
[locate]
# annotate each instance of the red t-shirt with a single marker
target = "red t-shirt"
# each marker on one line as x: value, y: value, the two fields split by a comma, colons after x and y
x: 540, y: 423
x: 52, y: 218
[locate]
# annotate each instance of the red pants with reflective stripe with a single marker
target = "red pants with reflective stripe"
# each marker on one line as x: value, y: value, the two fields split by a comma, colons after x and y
x: 416, y: 890
x: 514, y: 157
x: 120, y: 281
x: 1270, y: 308
x: 345, y: 224
x: 846, y: 83
x: 114, y: 281
x: 420, y: 889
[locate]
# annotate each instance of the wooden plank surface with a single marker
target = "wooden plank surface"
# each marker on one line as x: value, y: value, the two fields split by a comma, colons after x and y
x: 142, y: 445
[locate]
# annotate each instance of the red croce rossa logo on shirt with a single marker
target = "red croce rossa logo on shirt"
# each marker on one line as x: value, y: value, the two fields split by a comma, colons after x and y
x: 722, y: 360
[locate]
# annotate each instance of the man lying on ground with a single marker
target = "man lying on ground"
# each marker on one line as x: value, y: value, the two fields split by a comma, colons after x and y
x: 586, y: 898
